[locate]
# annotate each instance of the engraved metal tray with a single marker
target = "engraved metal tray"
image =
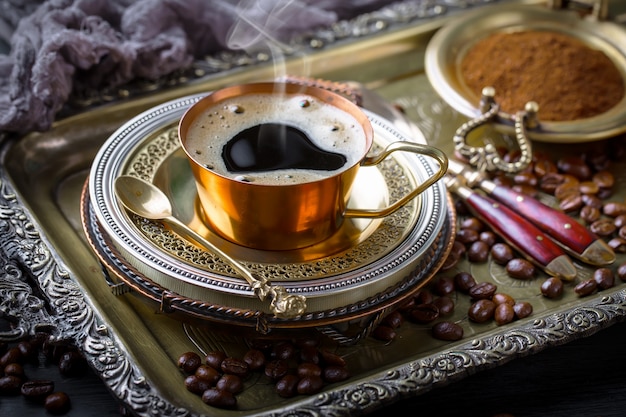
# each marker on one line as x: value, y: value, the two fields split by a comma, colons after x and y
x: 52, y: 280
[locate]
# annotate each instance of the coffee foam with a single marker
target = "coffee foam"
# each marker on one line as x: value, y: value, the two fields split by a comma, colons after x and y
x: 328, y: 127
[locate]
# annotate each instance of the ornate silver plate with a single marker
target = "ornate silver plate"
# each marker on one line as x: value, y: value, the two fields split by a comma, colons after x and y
x: 364, y: 258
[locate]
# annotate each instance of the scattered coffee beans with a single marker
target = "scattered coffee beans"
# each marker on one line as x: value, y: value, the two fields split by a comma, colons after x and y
x: 295, y: 367
x: 13, y: 378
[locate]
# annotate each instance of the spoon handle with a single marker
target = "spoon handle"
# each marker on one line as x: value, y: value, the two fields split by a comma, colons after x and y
x: 283, y: 304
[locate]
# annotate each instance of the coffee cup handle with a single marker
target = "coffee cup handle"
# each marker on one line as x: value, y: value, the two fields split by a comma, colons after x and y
x: 403, y: 146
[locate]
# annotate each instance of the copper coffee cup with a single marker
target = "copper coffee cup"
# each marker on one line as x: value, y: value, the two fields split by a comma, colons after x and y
x: 285, y: 216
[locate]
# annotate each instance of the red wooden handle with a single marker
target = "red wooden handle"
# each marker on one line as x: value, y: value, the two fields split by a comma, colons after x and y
x: 518, y: 231
x: 557, y: 224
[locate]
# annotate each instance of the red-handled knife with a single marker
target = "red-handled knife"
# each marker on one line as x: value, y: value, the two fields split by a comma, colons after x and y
x: 575, y: 238
x: 524, y: 236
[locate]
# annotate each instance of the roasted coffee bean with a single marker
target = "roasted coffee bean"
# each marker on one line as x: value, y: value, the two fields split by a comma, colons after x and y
x: 478, y: 252
x: 424, y: 313
x: 424, y: 296
x: 483, y: 290
x: 284, y: 350
x: 544, y: 166
x: 589, y: 214
x: 14, y: 369
x: 57, y: 403
x: 604, y: 278
x: 571, y: 203
x: 586, y: 287
x: 567, y: 190
x: 308, y: 369
x: 588, y: 187
x: 621, y: 232
x: 604, y: 179
x: 618, y: 244
x: 383, y: 333
x: 276, y: 369
x: 231, y: 383
x: 463, y: 281
x: 37, y: 389
x: 214, y: 359
x: 189, y: 362
x: 10, y: 385
x: 502, y: 298
x: 614, y: 209
x: 525, y: 178
x: 550, y: 182
x: 444, y: 304
x: 446, y: 330
x: 13, y: 355
x: 335, y: 373
x: 488, y: 237
x: 504, y: 314
x: 620, y: 221
x: 522, y: 309
x: 481, y: 311
x: 458, y: 248
x: 393, y: 319
x: 552, y: 287
x: 27, y: 349
x: 444, y: 285
x: 592, y: 201
x: 197, y: 385
x: 575, y: 166
x: 450, y: 262
x: 287, y: 386
x: 208, y: 373
x: 331, y: 359
x: 235, y: 366
x: 603, y: 227
x: 520, y: 269
x: 467, y: 236
x: 255, y: 359
x: 310, y: 385
x: 472, y: 223
x: 501, y: 253
x: 219, y: 398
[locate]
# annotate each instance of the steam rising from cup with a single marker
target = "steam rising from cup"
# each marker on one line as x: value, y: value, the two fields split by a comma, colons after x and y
x: 263, y: 25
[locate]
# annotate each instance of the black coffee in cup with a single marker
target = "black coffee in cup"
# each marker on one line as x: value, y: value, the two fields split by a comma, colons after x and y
x: 276, y: 139
x: 276, y: 146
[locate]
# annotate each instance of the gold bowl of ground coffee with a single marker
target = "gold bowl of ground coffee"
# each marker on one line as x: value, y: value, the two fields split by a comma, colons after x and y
x: 571, y: 65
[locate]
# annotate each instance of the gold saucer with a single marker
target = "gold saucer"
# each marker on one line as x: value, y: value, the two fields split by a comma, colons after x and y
x: 361, y: 315
x: 363, y: 259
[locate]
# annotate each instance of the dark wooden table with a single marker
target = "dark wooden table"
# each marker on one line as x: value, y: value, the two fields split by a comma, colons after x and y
x: 585, y: 377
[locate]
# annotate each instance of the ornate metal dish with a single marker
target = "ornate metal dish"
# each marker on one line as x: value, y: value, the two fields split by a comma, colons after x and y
x: 364, y: 258
x: 449, y: 45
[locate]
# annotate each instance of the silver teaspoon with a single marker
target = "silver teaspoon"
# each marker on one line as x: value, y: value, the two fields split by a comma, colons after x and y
x: 147, y: 200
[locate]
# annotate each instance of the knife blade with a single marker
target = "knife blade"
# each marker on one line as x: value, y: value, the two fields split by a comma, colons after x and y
x: 516, y: 230
x: 574, y: 237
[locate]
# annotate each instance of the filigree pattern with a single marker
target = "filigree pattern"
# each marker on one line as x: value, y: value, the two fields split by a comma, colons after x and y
x: 156, y: 150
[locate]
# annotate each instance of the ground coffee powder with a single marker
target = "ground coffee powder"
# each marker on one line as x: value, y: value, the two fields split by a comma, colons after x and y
x: 568, y: 79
